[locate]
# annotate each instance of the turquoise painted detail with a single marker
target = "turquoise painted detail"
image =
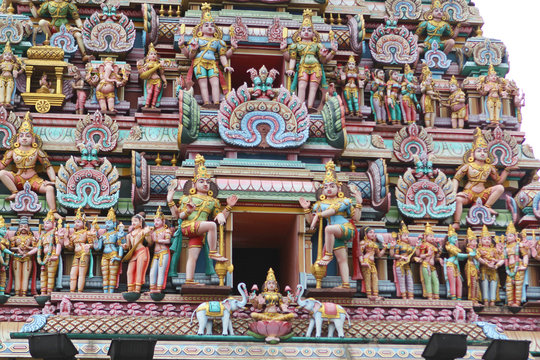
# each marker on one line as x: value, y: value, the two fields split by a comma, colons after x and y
x: 87, y: 194
x: 425, y: 203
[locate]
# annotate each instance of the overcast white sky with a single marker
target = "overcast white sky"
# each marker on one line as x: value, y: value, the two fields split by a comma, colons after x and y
x: 517, y: 24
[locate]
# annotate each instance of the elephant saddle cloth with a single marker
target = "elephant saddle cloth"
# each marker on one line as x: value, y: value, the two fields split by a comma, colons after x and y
x: 330, y: 310
x: 214, y: 308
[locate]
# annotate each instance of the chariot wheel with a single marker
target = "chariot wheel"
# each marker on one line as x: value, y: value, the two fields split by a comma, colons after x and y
x: 43, y: 106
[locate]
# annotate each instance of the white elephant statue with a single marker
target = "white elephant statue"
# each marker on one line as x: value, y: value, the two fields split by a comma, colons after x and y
x: 333, y: 313
x: 210, y: 310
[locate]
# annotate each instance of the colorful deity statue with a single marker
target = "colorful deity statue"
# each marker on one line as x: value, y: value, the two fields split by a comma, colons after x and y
x: 429, y: 96
x: 78, y: 86
x: 110, y: 240
x: 451, y: 265
x: 5, y: 253
x: 59, y: 10
x: 273, y: 304
x: 457, y: 104
x: 207, y: 51
x: 137, y: 254
x: 24, y: 244
x: 370, y: 250
x: 305, y: 57
x: 429, y: 253
x: 516, y: 260
x: 434, y: 28
x: 198, y: 213
x: 409, y: 101
x: 472, y: 268
x: 340, y: 213
x: 80, y: 240
x: 161, y: 238
x: 518, y: 97
x: 378, y: 87
x: 44, y: 85
x: 478, y: 168
x: 106, y: 79
x: 48, y: 253
x: 402, y: 253
x: 10, y: 68
x: 152, y: 72
x: 393, y: 96
x: 495, y: 88
x: 25, y: 152
x: 490, y: 259
x: 353, y: 84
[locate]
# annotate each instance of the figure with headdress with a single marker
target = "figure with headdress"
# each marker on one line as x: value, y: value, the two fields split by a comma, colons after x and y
x: 106, y: 79
x: 138, y: 255
x: 353, y: 85
x: 48, y: 253
x: 207, y: 51
x: 378, y: 86
x: 370, y: 250
x: 151, y: 71
x: 490, y: 260
x: 198, y: 211
x: 305, y: 57
x: 10, y: 68
x: 409, y: 101
x: 457, y: 104
x: 516, y: 260
x: 5, y: 254
x: 79, y: 239
x: 429, y: 96
x: 402, y: 253
x: 337, y: 208
x: 478, y: 168
x: 393, y: 95
x: 110, y: 240
x: 44, y: 85
x: 434, y: 28
x: 451, y: 266
x: 24, y: 244
x: 25, y: 152
x: 78, y: 85
x: 59, y: 11
x: 273, y: 304
x: 495, y: 88
x: 429, y: 253
x: 472, y: 268
x: 161, y: 238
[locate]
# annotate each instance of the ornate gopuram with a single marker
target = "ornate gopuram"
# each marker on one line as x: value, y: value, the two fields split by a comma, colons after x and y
x: 248, y: 179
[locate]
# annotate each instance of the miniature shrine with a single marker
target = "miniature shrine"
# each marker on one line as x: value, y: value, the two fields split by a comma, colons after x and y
x: 245, y: 179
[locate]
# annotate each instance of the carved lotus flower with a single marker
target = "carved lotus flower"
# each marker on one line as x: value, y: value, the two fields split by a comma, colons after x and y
x: 270, y: 329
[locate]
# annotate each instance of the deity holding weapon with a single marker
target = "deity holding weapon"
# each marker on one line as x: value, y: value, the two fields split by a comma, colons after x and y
x: 472, y: 268
x: 490, y: 259
x: 80, y: 240
x: 273, y: 304
x: 205, y: 50
x: 48, y: 253
x: 409, y: 101
x: 378, y: 86
x: 25, y: 152
x: 197, y: 205
x: 152, y: 72
x: 10, y: 68
x: 110, y: 240
x: 24, y: 244
x: 516, y: 260
x: 137, y: 254
x: 402, y: 252
x: 495, y: 89
x: 428, y: 254
x: 429, y: 96
x: 452, y: 271
x: 335, y: 206
x: 59, y: 10
x: 369, y: 248
x: 305, y: 57
x: 478, y: 168
x: 161, y: 238
x: 353, y: 85
x: 457, y: 104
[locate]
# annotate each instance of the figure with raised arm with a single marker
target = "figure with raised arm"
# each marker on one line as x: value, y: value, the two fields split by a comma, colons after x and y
x: 48, y: 253
x: 110, y: 240
x: 495, y: 88
x: 429, y: 253
x: 402, y: 253
x: 378, y: 87
x: 25, y: 152
x: 161, y: 238
x: 516, y: 260
x: 207, y: 51
x: 305, y: 57
x: 352, y: 86
x: 199, y: 210
x: 137, y: 253
x: 478, y: 168
x: 337, y: 208
x: 273, y: 304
